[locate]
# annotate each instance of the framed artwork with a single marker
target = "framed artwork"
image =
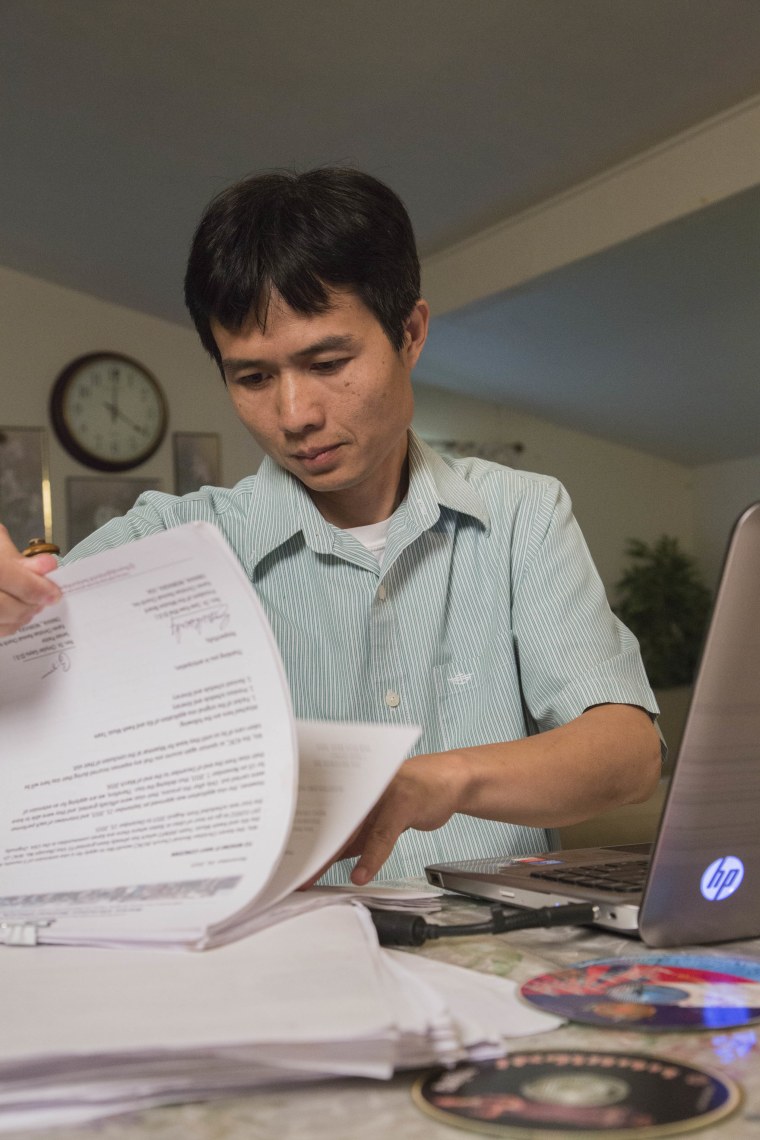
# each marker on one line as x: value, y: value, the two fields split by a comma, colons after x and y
x: 25, y: 484
x: 92, y: 500
x: 505, y: 453
x: 197, y: 461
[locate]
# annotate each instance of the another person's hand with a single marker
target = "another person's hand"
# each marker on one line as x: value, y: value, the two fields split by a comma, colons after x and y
x: 24, y: 587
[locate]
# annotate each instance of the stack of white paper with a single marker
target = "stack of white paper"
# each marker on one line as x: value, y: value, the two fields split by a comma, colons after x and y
x: 98, y: 1032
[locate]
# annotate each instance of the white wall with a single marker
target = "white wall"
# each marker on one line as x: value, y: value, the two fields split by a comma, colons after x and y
x: 618, y: 492
x: 722, y: 491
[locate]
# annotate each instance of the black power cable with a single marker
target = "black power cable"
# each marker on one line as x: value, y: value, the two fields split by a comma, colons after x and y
x: 395, y: 928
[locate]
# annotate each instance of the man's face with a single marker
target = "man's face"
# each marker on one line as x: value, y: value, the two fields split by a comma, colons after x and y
x: 329, y: 398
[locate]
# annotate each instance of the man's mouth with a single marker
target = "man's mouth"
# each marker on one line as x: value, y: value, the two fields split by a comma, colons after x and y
x: 313, y: 452
x: 316, y: 456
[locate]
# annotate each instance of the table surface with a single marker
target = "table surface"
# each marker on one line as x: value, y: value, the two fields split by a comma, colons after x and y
x: 376, y: 1110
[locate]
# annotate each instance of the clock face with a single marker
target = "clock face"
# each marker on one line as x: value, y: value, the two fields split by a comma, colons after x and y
x: 108, y: 411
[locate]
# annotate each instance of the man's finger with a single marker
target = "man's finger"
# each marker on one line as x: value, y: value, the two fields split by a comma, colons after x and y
x: 379, y: 843
x: 24, y: 580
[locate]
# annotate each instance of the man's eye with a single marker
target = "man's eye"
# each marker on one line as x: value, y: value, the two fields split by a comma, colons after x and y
x: 328, y: 366
x: 252, y: 380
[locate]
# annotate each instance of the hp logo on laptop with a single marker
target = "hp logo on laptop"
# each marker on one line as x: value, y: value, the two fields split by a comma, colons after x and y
x: 722, y: 878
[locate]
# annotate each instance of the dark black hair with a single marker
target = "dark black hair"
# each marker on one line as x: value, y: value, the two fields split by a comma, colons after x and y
x: 300, y: 235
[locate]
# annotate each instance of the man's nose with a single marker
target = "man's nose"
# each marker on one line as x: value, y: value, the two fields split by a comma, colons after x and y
x: 299, y: 405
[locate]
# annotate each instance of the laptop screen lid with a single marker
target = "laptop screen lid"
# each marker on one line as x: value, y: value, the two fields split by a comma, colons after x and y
x: 704, y: 882
x: 704, y: 873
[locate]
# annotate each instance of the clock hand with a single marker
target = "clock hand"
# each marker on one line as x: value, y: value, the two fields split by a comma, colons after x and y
x: 115, y: 397
x: 117, y: 414
x: 135, y: 427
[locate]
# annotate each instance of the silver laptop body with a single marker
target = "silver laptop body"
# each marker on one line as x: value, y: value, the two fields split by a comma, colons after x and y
x: 702, y: 874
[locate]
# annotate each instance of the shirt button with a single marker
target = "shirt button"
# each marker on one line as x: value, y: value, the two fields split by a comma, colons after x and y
x: 392, y: 700
x: 381, y: 592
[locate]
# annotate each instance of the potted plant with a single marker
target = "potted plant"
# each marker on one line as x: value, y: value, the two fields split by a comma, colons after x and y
x: 664, y: 602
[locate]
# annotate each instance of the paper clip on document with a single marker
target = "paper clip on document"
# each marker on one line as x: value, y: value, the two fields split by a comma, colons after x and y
x: 22, y: 933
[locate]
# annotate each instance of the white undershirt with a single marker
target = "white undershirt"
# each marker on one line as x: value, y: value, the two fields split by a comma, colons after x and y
x: 373, y: 537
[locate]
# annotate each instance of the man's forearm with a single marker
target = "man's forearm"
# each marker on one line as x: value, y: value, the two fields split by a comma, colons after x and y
x: 607, y: 757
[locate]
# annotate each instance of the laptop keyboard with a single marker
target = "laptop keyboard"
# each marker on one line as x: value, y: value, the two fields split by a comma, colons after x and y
x: 625, y: 878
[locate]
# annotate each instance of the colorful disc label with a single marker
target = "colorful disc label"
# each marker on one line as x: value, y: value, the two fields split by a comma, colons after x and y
x: 660, y: 993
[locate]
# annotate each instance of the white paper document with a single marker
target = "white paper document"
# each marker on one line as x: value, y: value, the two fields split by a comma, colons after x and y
x: 485, y: 1008
x: 155, y: 787
x: 101, y: 1032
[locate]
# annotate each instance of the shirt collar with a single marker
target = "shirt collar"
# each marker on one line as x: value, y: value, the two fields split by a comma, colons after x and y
x: 281, y: 507
x: 433, y: 484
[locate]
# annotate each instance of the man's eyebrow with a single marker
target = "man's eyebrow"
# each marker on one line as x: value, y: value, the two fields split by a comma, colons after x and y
x: 335, y: 343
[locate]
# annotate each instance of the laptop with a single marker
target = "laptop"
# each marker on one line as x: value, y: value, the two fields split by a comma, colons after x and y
x: 699, y: 881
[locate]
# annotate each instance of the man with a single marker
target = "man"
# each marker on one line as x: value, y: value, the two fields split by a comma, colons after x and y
x: 457, y: 595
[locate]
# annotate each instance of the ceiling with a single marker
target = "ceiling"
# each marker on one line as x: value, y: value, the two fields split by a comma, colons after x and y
x: 121, y: 118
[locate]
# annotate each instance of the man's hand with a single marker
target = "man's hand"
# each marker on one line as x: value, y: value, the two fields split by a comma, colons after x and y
x: 424, y: 794
x: 24, y: 587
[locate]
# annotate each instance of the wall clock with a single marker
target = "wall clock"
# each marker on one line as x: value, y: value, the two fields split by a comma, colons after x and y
x: 108, y: 411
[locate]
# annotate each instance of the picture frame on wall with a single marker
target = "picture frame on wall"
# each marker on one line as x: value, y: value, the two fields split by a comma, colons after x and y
x: 505, y: 453
x: 197, y: 461
x: 92, y: 500
x: 25, y: 484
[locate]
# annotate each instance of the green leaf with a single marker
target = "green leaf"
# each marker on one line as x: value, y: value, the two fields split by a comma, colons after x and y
x: 664, y: 602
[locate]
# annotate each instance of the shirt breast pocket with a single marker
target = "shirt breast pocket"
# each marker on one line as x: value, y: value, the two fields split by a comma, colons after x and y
x: 460, y: 701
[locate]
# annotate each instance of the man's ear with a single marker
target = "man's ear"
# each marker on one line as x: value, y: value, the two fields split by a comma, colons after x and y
x: 415, y: 332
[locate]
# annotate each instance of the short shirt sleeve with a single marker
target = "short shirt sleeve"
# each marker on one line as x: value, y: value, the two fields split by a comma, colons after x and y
x: 572, y: 651
x: 146, y: 517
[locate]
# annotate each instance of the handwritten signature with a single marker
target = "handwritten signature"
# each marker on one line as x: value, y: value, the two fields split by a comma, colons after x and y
x: 62, y: 663
x: 218, y: 617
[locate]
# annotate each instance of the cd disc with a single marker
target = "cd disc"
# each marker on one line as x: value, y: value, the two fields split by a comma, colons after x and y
x: 659, y: 992
x: 545, y: 1093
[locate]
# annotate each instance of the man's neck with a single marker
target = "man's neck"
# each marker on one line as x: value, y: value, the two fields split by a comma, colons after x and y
x: 361, y: 506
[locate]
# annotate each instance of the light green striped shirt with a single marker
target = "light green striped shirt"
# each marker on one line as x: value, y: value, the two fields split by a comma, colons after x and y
x: 486, y: 622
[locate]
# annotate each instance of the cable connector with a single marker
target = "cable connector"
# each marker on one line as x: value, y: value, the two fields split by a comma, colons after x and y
x: 564, y: 914
x: 396, y: 928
